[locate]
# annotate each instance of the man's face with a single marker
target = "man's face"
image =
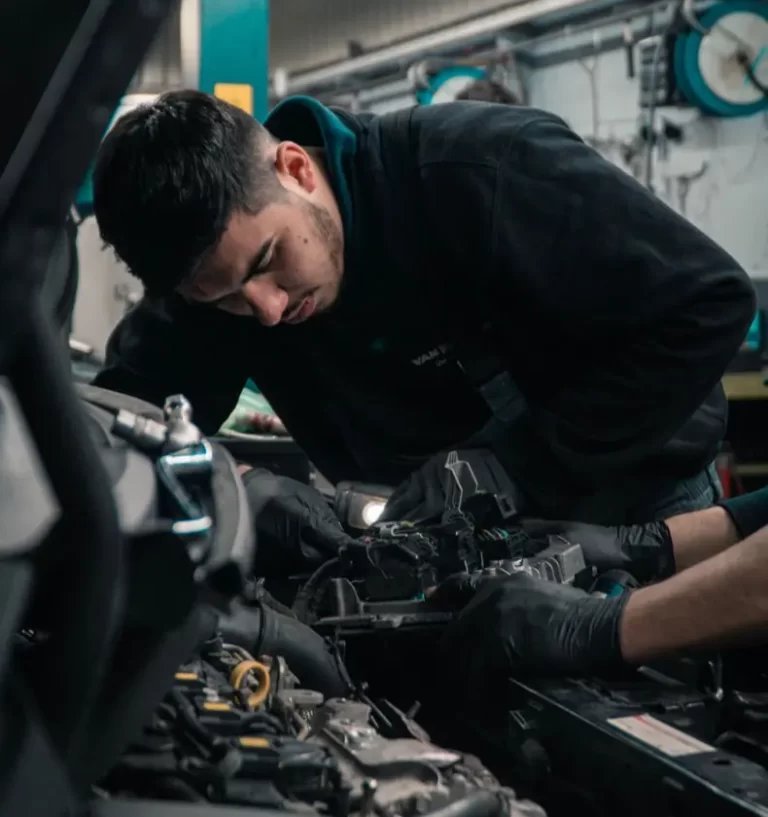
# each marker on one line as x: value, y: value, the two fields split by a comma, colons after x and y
x: 282, y: 265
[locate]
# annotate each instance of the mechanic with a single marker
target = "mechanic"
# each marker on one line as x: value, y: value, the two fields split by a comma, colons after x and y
x: 715, y: 599
x: 450, y: 273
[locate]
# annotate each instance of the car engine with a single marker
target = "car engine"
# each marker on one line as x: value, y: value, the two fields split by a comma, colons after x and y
x: 242, y: 731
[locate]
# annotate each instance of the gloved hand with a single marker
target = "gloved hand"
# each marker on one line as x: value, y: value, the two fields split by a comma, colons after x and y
x: 645, y: 551
x: 296, y: 529
x: 520, y: 622
x: 748, y: 512
x: 426, y: 493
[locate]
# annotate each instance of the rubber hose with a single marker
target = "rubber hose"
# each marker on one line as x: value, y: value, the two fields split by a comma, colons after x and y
x: 263, y: 631
x: 91, y: 549
x: 477, y: 804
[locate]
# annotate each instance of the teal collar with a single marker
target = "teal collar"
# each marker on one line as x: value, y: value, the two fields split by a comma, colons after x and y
x: 308, y: 122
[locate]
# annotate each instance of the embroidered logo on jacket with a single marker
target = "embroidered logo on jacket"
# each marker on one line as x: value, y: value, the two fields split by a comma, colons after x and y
x: 435, y: 356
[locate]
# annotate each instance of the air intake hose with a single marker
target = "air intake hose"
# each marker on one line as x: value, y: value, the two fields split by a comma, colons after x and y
x: 264, y: 631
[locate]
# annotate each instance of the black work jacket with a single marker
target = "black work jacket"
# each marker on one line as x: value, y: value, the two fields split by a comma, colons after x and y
x: 495, y: 228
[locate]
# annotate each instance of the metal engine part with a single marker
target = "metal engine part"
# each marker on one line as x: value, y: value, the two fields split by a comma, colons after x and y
x: 394, y: 774
x: 185, y: 454
x: 386, y: 593
x: 561, y: 562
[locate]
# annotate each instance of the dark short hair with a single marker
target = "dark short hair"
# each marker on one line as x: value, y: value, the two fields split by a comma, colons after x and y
x: 488, y: 90
x: 168, y: 177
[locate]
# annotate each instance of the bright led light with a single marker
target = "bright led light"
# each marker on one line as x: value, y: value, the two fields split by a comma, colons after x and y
x: 372, y: 511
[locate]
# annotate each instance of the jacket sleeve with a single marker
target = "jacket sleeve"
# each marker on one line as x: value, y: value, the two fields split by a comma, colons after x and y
x: 167, y: 347
x: 647, y: 310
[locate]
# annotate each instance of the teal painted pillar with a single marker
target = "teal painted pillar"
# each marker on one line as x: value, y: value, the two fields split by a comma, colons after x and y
x: 234, y: 52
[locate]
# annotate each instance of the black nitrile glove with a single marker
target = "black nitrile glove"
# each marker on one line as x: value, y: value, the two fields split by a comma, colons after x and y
x: 296, y: 528
x: 645, y: 551
x: 749, y: 512
x: 429, y: 491
x: 520, y: 622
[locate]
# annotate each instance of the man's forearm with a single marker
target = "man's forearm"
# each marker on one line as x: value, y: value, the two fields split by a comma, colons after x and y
x: 700, y: 535
x: 722, y: 601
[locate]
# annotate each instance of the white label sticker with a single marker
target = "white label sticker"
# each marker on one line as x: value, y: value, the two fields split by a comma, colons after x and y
x: 660, y: 735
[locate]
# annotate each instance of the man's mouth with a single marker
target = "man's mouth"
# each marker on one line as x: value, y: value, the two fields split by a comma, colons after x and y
x: 304, y: 309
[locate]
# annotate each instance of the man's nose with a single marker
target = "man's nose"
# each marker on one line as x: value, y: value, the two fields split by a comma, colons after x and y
x: 266, y: 299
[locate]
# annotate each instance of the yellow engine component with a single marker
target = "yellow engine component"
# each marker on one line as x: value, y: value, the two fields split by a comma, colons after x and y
x: 261, y: 673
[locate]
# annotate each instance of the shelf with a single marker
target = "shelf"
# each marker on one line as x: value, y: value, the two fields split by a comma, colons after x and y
x: 752, y: 469
x: 745, y: 386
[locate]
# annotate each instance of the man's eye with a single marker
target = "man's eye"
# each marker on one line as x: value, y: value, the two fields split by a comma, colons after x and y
x: 266, y: 262
x: 232, y: 303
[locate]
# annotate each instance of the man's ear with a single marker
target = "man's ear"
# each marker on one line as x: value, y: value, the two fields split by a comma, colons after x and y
x: 294, y: 168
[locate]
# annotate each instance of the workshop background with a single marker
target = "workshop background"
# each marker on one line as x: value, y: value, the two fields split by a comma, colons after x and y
x: 662, y: 89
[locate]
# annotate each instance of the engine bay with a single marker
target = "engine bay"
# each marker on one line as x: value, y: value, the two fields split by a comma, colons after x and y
x: 243, y: 732
x: 242, y: 729
x: 127, y: 544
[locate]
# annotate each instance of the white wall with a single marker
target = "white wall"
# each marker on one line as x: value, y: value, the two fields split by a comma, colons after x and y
x: 729, y: 202
x: 104, y: 285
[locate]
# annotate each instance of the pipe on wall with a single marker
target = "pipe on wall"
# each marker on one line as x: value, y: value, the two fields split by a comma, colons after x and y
x: 426, y: 43
x: 189, y: 36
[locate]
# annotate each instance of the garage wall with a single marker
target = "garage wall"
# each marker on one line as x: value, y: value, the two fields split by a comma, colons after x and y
x: 105, y: 291
x: 730, y: 200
